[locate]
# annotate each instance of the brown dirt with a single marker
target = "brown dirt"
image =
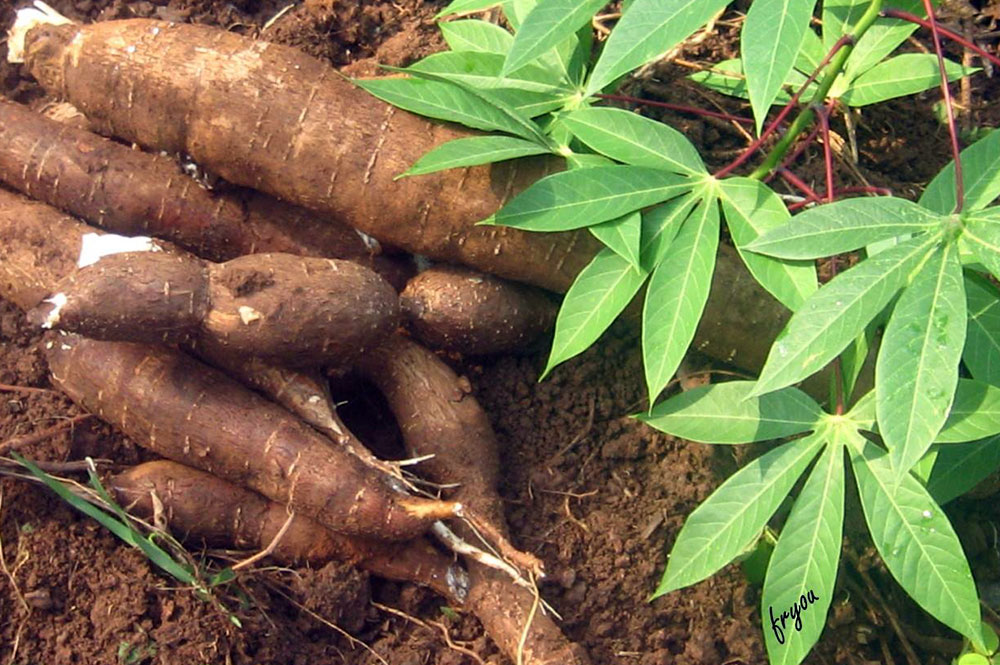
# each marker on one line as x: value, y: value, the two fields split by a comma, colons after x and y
x: 597, y: 495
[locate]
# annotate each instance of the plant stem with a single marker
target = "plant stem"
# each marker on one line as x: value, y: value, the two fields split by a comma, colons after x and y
x: 798, y: 184
x: 949, y: 110
x: 824, y: 128
x: 837, y: 57
x: 954, y: 36
x: 678, y: 107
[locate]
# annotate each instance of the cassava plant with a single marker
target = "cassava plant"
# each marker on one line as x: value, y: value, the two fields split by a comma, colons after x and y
x: 930, y: 428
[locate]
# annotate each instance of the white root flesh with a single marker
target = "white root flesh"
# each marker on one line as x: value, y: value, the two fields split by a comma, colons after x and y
x: 26, y: 19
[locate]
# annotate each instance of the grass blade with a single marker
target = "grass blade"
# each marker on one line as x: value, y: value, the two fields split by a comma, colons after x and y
x: 633, y: 139
x: 899, y: 76
x: 804, y: 563
x: 769, y: 43
x: 473, y: 151
x: 917, y: 542
x: 597, y: 296
x: 836, y: 314
x: 677, y: 294
x: 844, y: 226
x: 916, y: 373
x: 723, y: 413
x: 648, y: 28
x: 583, y: 197
x: 752, y: 209
x: 729, y: 520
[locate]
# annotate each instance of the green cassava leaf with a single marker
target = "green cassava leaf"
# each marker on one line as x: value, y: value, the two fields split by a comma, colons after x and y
x: 482, y: 71
x: 982, y: 342
x: 647, y: 29
x: 975, y: 413
x: 811, y: 53
x: 660, y: 225
x: 752, y: 209
x: 983, y: 238
x: 727, y: 78
x: 917, y: 368
x: 444, y: 101
x: 836, y: 314
x: 583, y: 197
x: 476, y: 35
x: 862, y: 414
x: 729, y: 520
x: 980, y: 175
x: 633, y: 139
x: 622, y: 236
x: 839, y: 17
x: 598, y: 295
x: 957, y: 468
x: 899, y: 76
x: 917, y: 542
x: 843, y: 226
x: 549, y: 22
x: 804, y: 563
x: 472, y: 152
x: 463, y: 6
x: 882, y: 38
x: 770, y: 41
x: 722, y: 413
x: 677, y: 293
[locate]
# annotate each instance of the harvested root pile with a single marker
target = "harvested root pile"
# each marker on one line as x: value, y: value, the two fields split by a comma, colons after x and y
x: 245, y: 471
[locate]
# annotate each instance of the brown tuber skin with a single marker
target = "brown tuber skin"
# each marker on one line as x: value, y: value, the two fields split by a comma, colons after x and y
x: 457, y: 309
x: 273, y: 118
x: 135, y: 193
x: 438, y: 414
x: 298, y: 311
x: 187, y: 412
x: 198, y: 506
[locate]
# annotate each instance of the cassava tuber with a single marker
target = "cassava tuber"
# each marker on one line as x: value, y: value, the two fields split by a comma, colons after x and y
x: 299, y: 311
x: 192, y: 414
x: 199, y: 506
x: 457, y: 309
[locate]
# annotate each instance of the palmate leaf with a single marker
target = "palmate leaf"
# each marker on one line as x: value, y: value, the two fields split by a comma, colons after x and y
x: 633, y: 139
x: 974, y: 414
x: 444, y: 101
x: 983, y: 238
x: 722, y: 413
x: 957, y: 468
x: 648, y: 28
x: 899, y: 76
x: 752, y: 209
x: 476, y: 35
x: 597, y: 296
x: 472, y: 152
x: 729, y: 520
x: 660, y: 225
x: 917, y: 542
x: 549, y: 22
x: 676, y: 295
x: 844, y: 226
x: 804, y: 562
x: 982, y: 341
x: 583, y: 197
x: 769, y: 43
x: 622, y: 236
x: 836, y: 314
x: 980, y: 175
x: 917, y: 368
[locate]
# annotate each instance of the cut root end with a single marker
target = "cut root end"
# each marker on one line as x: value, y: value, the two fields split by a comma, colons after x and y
x: 28, y: 18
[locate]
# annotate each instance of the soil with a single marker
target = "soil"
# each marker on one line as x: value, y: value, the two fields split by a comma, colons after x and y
x: 597, y: 495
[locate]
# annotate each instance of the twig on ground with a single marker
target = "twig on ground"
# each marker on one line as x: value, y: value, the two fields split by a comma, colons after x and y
x: 17, y: 442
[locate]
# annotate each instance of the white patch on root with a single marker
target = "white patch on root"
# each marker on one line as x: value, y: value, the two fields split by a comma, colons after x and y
x: 94, y: 246
x: 59, y: 300
x: 28, y: 18
x: 249, y: 314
